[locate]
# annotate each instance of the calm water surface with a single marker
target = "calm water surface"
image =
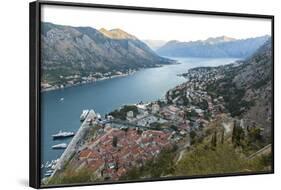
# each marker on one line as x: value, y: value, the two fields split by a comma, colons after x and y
x: 105, y: 96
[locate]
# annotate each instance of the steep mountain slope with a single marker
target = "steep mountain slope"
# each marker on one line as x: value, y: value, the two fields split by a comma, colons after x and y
x: 213, y: 47
x: 82, y: 51
x: 247, y: 88
x: 256, y: 79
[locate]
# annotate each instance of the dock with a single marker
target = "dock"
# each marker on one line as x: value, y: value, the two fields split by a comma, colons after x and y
x: 74, y: 143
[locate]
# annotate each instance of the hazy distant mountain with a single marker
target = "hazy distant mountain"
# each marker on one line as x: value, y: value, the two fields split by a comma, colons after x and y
x: 220, y: 39
x: 70, y: 50
x: 213, y: 47
x: 155, y: 44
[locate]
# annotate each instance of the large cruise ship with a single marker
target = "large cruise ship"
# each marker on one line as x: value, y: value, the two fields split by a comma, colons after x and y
x: 62, y: 134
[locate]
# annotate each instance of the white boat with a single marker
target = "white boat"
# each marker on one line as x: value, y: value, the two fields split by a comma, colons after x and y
x: 84, y: 115
x: 48, y: 174
x: 61, y: 99
x: 46, y: 164
x: 60, y: 146
x: 53, y: 166
x: 63, y: 134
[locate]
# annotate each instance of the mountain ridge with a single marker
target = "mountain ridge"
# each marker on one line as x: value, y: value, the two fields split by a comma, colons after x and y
x: 83, y: 51
x: 219, y: 39
x: 221, y: 46
x: 117, y: 33
x: 247, y: 88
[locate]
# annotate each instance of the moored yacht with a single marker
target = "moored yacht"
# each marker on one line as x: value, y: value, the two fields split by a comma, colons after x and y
x: 60, y: 146
x: 63, y: 134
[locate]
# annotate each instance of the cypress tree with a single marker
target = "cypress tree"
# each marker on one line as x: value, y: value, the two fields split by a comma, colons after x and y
x: 222, y: 137
x: 214, y: 140
x: 234, y: 132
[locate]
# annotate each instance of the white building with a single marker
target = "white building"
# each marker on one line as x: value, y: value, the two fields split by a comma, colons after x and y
x: 130, y: 114
x: 155, y: 108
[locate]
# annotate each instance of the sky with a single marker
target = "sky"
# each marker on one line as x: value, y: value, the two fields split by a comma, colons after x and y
x: 158, y: 26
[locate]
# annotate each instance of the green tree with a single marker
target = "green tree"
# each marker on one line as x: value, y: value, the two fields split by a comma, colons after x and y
x: 222, y: 137
x: 238, y: 135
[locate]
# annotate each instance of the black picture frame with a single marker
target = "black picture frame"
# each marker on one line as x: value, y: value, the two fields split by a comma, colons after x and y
x: 35, y: 73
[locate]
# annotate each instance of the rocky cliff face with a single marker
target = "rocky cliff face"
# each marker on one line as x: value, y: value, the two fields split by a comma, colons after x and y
x: 247, y: 88
x: 70, y: 50
x: 256, y: 78
x: 213, y: 47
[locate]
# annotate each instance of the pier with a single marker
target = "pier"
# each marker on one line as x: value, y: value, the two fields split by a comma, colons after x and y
x: 74, y: 143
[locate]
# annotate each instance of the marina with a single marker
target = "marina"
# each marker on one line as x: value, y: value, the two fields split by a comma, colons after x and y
x: 72, y: 147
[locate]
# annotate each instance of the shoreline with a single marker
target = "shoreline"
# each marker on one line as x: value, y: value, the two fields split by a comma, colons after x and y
x: 102, y: 79
x: 84, y: 83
